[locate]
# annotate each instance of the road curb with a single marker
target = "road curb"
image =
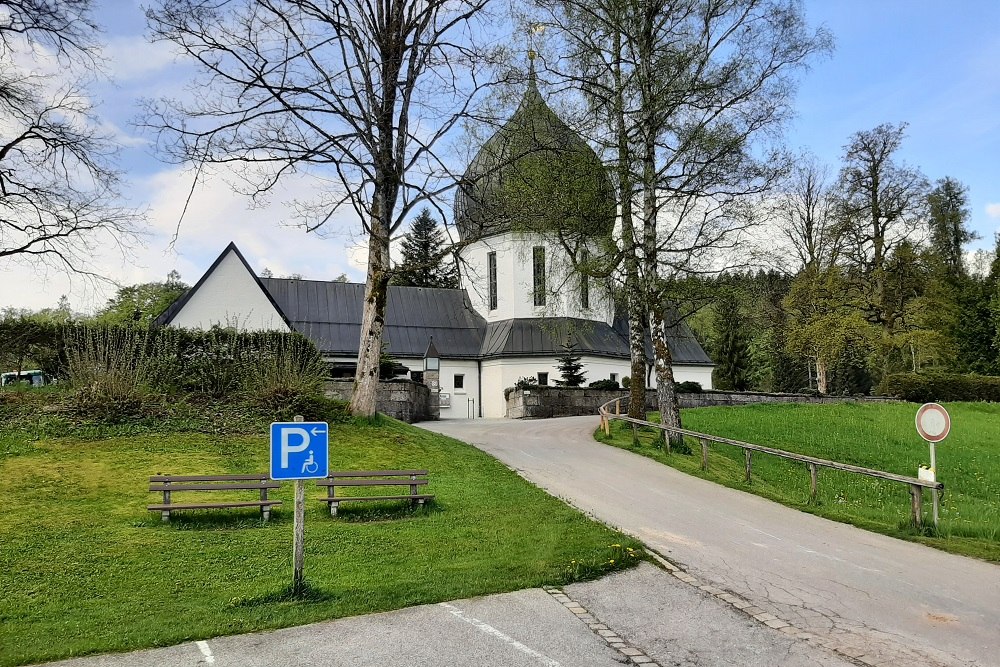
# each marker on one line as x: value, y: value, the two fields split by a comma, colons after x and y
x: 630, y: 653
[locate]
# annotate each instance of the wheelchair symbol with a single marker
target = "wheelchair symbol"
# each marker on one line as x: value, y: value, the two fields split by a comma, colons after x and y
x: 310, y: 466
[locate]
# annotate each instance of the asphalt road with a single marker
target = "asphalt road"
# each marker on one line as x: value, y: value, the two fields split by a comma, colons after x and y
x: 677, y: 624
x: 877, y: 596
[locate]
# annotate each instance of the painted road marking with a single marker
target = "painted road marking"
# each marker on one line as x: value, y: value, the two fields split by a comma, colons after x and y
x: 490, y: 630
x: 206, y: 651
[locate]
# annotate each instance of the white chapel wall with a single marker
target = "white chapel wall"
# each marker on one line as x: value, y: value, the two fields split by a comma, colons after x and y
x: 230, y: 296
x: 515, y: 280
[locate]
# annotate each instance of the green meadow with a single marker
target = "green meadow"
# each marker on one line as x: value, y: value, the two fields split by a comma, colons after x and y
x: 86, y: 568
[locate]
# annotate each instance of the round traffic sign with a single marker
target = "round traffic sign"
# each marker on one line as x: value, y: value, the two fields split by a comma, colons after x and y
x: 933, y: 422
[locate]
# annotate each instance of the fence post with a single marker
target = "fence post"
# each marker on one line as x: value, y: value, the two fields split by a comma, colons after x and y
x: 916, y: 504
x: 665, y: 439
x: 812, y: 482
x: 747, y: 454
x: 635, y: 435
x: 704, y: 454
x: 618, y: 406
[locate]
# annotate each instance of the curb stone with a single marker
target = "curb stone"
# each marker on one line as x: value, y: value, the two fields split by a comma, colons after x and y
x: 629, y: 653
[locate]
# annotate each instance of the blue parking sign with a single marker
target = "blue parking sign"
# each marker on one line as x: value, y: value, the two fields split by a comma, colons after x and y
x: 299, y: 450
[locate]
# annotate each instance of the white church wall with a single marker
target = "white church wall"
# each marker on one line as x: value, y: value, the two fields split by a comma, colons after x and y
x: 699, y: 374
x: 230, y: 296
x: 498, y: 374
x: 458, y: 398
x: 515, y: 281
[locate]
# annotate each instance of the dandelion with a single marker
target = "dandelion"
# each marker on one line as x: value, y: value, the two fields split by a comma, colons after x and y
x: 612, y: 561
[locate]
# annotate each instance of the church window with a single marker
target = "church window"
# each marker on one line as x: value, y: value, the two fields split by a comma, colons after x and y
x: 459, y: 382
x: 585, y: 281
x: 491, y: 264
x: 538, y: 256
x: 614, y: 377
x: 543, y: 379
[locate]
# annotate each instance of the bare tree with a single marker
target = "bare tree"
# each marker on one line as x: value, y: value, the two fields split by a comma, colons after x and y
x: 805, y: 217
x: 882, y: 204
x: 356, y: 93
x: 59, y: 193
x: 690, y: 90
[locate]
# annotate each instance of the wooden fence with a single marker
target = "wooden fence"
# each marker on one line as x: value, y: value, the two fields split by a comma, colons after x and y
x: 812, y: 463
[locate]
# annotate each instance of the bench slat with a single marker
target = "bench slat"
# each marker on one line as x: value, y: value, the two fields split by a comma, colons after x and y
x: 377, y: 473
x: 214, y: 487
x: 371, y: 482
x: 208, y: 478
x: 426, y: 496
x: 250, y: 503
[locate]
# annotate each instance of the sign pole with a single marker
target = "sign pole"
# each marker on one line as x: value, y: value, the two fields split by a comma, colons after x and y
x: 934, y: 492
x: 298, y: 540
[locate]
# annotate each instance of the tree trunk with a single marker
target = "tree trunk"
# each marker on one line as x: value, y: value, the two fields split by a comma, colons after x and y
x: 637, y: 351
x: 821, y: 375
x: 372, y: 323
x: 666, y: 392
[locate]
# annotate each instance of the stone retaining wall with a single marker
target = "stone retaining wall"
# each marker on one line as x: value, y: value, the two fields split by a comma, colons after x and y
x: 405, y: 400
x: 542, y: 402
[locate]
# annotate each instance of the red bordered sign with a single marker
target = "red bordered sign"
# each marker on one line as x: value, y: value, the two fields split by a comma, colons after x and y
x: 933, y: 422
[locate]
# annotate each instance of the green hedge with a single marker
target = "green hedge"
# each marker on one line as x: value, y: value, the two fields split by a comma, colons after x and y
x: 925, y: 387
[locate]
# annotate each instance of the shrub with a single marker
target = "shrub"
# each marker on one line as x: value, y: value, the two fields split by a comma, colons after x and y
x: 109, y: 369
x: 689, y: 387
x: 604, y: 384
x: 626, y: 382
x: 925, y: 387
x: 526, y: 383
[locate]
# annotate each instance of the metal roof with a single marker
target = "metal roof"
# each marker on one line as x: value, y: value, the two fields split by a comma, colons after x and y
x: 329, y: 314
x: 544, y: 336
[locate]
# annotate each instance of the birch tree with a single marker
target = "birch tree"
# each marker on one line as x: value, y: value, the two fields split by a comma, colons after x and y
x: 358, y: 94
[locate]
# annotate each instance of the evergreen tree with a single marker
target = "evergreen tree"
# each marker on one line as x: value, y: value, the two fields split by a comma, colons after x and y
x: 570, y: 368
x: 422, y: 264
x: 732, y: 349
x: 949, y: 217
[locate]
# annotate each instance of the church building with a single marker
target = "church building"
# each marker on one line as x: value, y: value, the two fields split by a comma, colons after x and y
x: 534, y: 204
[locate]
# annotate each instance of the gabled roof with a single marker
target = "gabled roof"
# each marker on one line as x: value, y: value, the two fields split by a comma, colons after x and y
x: 168, y: 315
x: 329, y: 314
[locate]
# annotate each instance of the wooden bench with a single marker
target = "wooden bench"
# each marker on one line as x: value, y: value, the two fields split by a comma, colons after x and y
x: 168, y: 484
x: 363, y: 478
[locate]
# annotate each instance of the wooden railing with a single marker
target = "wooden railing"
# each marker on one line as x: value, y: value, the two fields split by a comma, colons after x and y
x: 812, y: 463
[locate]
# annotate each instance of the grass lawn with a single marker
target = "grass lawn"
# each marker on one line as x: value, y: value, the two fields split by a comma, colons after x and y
x: 880, y: 436
x: 86, y: 568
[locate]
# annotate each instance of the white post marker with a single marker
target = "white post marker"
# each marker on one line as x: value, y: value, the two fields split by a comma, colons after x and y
x: 933, y: 425
x: 299, y: 451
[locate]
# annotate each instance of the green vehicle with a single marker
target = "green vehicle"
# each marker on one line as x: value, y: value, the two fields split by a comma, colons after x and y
x: 34, y: 378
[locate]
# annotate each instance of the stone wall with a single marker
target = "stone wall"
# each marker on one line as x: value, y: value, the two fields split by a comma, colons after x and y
x: 405, y: 400
x: 542, y: 402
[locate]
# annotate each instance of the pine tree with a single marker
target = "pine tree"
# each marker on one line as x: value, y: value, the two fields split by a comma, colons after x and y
x: 422, y: 265
x: 570, y: 368
x: 732, y: 349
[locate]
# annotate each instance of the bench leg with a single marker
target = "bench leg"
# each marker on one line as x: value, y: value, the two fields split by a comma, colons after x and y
x: 333, y: 509
x: 265, y: 513
x: 165, y: 515
x: 420, y: 502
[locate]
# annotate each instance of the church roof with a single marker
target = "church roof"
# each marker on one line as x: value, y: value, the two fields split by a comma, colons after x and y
x: 544, y: 336
x: 329, y: 314
x: 534, y: 173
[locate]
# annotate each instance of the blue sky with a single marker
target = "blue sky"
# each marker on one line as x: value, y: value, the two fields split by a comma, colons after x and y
x: 931, y: 65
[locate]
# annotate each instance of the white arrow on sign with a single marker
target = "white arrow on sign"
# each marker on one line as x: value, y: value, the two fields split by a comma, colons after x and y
x: 286, y: 448
x: 318, y: 431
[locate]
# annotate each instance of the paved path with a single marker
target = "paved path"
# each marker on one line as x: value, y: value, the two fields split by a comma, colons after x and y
x: 679, y: 626
x: 874, y: 597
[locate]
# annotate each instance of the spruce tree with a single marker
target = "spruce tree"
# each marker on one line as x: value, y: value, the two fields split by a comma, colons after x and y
x: 570, y: 368
x: 422, y: 265
x: 732, y: 350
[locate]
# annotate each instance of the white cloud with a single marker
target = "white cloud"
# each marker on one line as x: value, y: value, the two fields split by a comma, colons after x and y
x: 993, y: 210
x: 133, y: 57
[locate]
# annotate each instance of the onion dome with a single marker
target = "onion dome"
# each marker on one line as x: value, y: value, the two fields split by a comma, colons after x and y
x: 535, y: 175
